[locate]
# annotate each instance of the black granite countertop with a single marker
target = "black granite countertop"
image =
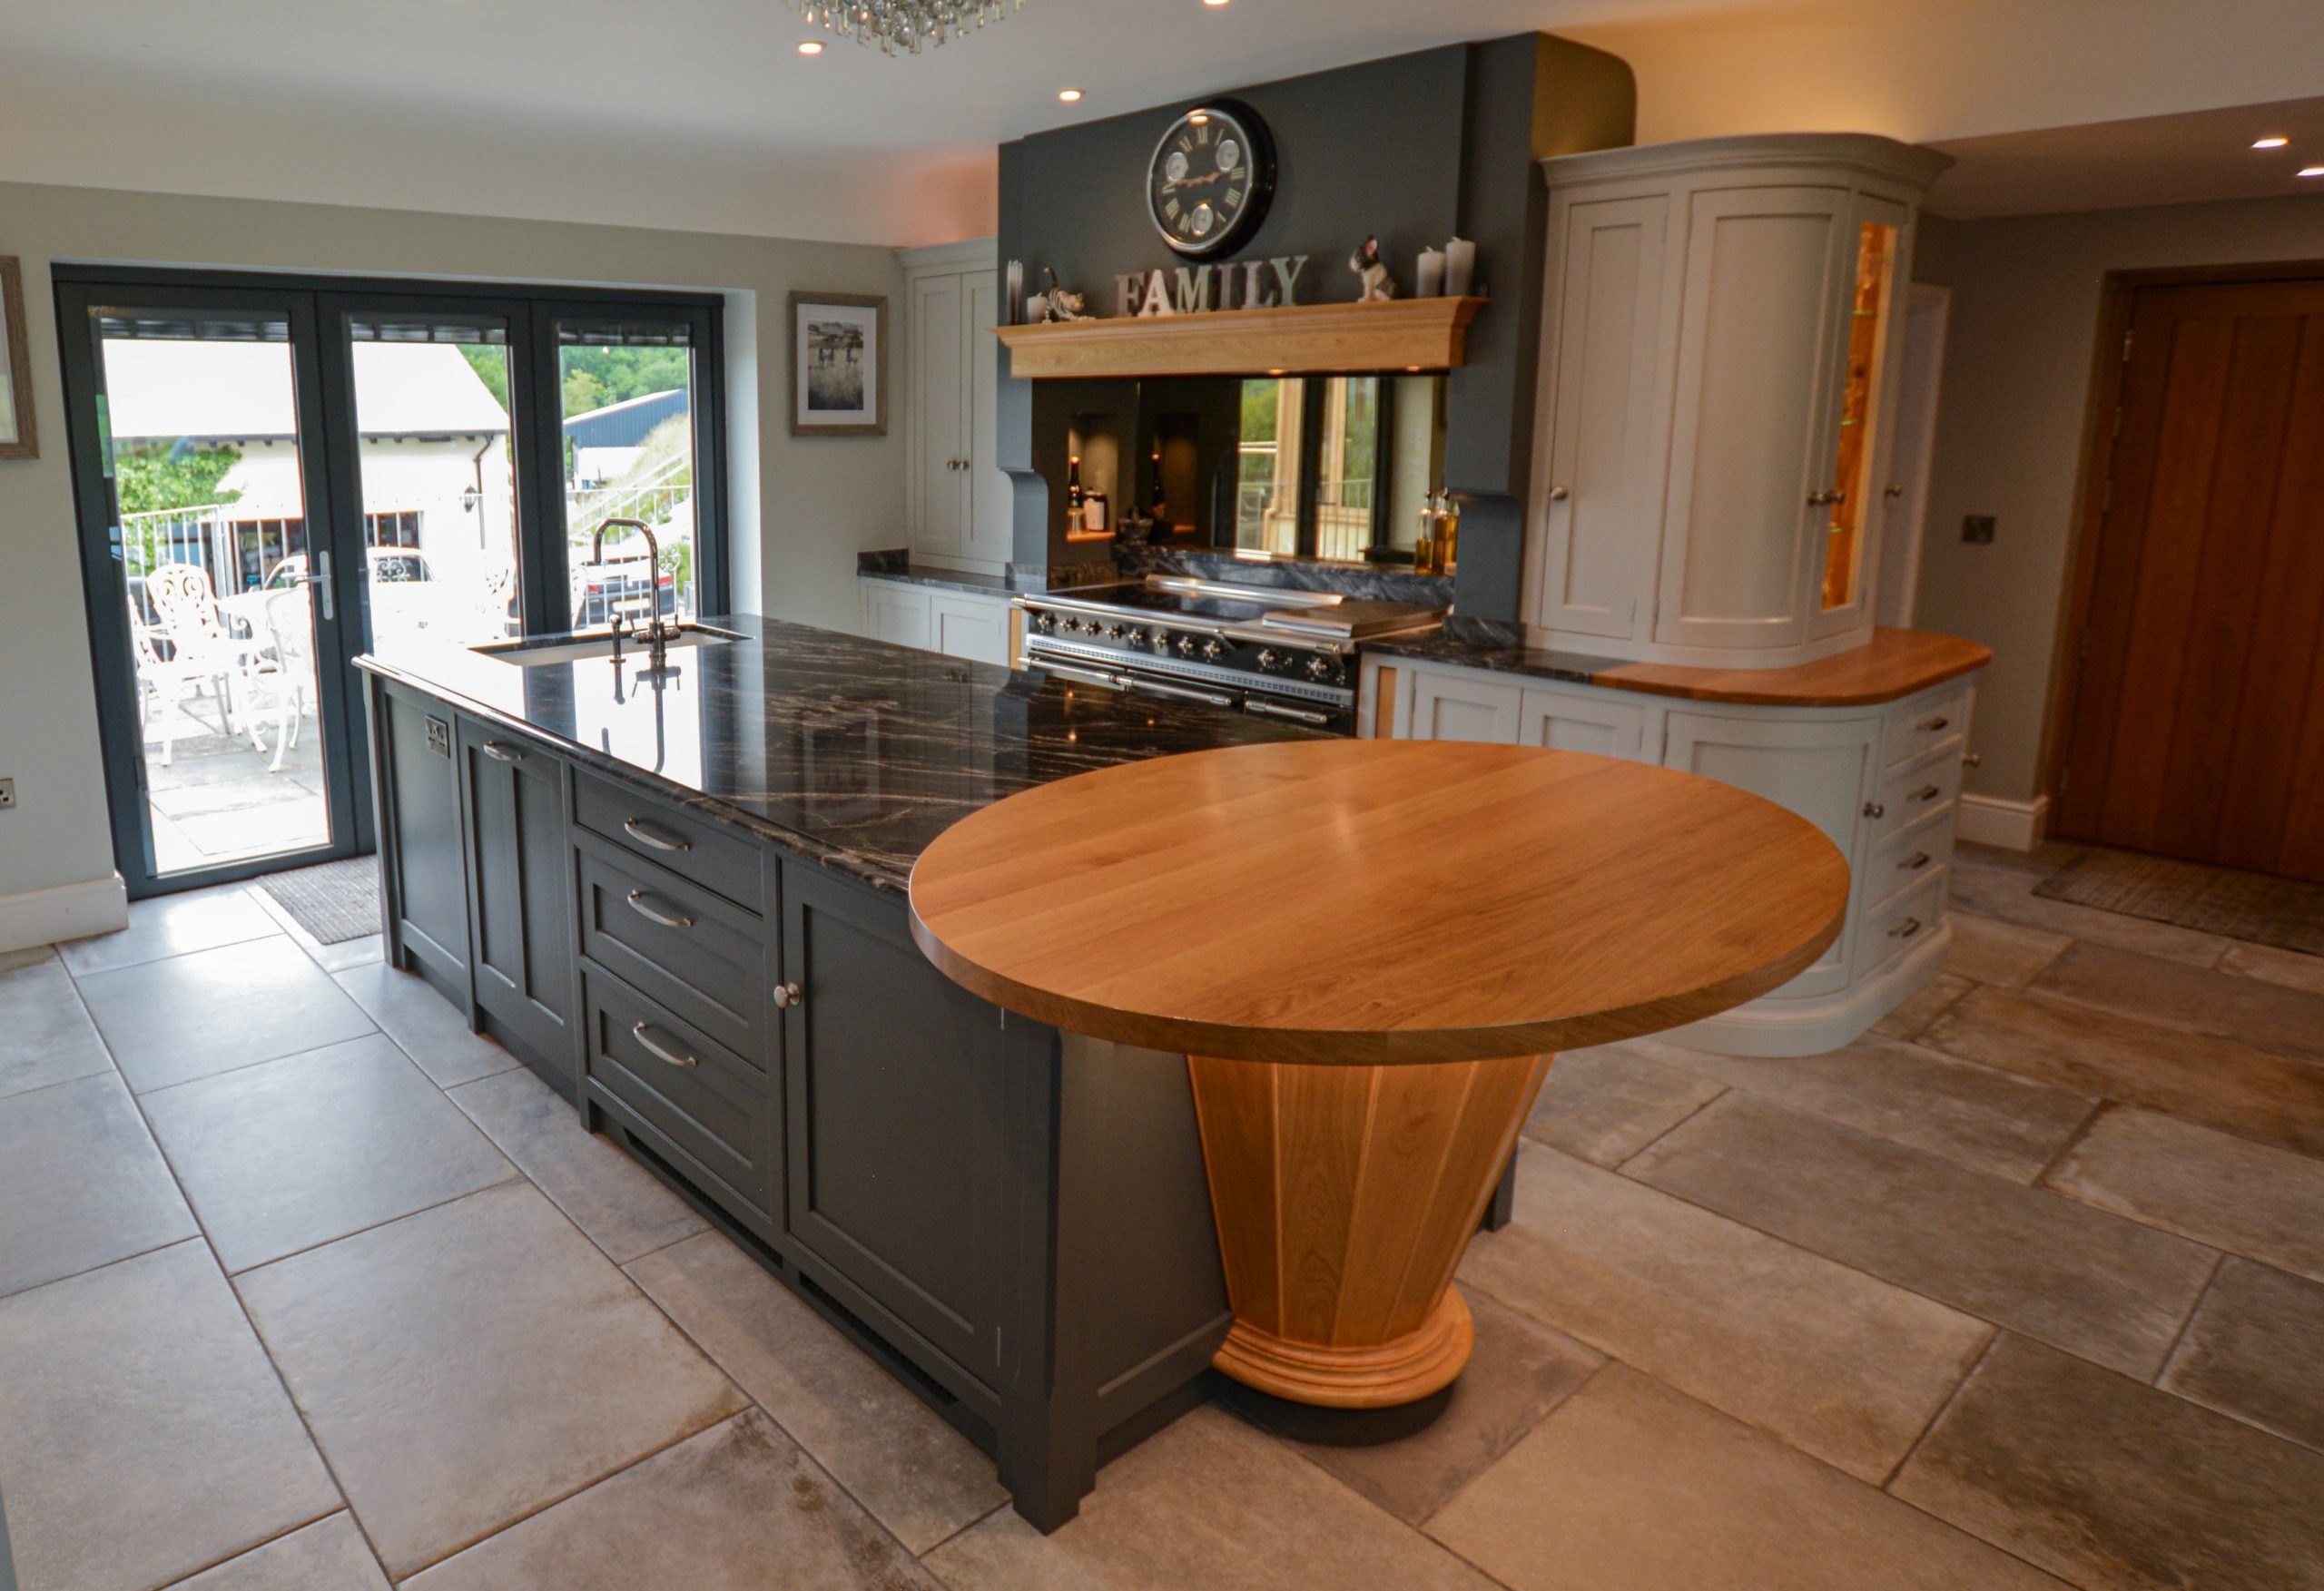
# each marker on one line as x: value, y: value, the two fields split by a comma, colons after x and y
x: 853, y: 752
x: 943, y: 579
x: 1574, y: 667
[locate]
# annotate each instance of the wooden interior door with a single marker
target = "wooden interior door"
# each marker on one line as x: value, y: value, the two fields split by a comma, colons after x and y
x: 2196, y: 724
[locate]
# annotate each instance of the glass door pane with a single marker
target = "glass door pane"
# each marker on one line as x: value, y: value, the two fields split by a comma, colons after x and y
x: 1267, y: 503
x: 438, y: 481
x: 627, y: 389
x: 1346, y: 474
x: 199, y: 432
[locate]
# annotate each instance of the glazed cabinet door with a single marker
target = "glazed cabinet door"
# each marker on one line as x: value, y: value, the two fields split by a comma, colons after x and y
x: 1598, y: 497
x: 1824, y: 770
x: 1869, y: 348
x: 991, y: 495
x: 1751, y: 452
x: 938, y: 491
x: 892, y: 1079
x: 520, y: 866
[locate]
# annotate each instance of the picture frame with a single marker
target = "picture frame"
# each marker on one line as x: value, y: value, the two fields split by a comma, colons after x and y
x: 839, y: 365
x: 18, y: 436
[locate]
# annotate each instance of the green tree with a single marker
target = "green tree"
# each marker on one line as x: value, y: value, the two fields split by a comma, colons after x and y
x: 490, y: 363
x: 149, y: 480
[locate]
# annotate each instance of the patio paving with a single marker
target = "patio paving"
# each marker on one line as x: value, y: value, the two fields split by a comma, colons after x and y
x: 220, y: 802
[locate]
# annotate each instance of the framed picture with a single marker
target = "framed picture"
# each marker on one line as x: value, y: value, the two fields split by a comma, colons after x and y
x: 839, y: 365
x: 17, y: 439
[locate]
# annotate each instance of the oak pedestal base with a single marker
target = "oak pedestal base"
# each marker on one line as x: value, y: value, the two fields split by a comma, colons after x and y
x: 1346, y: 1197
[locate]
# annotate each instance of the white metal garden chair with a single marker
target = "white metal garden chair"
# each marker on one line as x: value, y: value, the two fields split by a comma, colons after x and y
x: 290, y: 628
x: 199, y: 643
x: 163, y: 686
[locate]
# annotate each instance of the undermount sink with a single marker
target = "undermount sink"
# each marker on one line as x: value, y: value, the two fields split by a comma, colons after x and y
x: 530, y: 656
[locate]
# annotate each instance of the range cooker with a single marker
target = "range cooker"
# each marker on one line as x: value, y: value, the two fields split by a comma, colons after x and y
x: 1272, y: 652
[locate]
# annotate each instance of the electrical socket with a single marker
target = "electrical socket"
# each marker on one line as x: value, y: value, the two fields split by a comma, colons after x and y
x: 8, y: 794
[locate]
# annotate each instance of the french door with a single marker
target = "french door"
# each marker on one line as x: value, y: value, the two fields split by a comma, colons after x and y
x: 275, y: 477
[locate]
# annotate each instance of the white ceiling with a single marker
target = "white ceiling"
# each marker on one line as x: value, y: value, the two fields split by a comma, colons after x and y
x: 2155, y: 159
x: 701, y: 114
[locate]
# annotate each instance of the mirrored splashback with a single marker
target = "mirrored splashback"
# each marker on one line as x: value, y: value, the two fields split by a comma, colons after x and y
x: 1334, y: 468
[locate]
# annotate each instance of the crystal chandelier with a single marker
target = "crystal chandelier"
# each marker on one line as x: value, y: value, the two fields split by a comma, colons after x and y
x: 906, y: 24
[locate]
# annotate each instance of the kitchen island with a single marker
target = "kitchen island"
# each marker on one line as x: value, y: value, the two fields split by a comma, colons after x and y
x: 678, y: 896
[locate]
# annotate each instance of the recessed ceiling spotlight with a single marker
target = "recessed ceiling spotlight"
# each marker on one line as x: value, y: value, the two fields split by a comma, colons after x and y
x: 2270, y: 142
x: 1068, y: 94
x: 2311, y: 171
x: 1214, y: 3
x: 811, y: 47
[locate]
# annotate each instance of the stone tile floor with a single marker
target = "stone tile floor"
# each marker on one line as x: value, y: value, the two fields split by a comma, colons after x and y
x: 304, y: 1285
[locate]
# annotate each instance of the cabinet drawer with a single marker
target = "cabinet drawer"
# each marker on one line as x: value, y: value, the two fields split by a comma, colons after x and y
x: 1917, y: 728
x: 713, y: 1112
x: 719, y: 860
x: 1893, y: 927
x: 1913, y: 855
x: 1911, y: 793
x: 704, y: 959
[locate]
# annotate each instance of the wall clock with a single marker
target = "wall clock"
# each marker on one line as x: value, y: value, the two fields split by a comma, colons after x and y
x: 1211, y: 177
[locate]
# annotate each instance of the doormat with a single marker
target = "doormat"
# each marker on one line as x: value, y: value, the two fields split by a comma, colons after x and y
x: 334, y: 902
x: 2282, y: 912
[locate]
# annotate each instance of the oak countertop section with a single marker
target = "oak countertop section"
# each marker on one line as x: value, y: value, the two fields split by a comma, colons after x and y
x: 1896, y: 663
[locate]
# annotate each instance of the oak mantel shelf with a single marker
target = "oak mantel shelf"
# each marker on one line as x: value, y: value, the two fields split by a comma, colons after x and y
x: 1402, y: 334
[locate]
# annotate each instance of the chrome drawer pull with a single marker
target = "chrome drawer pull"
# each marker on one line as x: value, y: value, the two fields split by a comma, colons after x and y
x: 637, y: 830
x: 1906, y: 930
x: 1914, y: 863
x: 787, y: 994
x: 500, y: 754
x: 1927, y: 793
x: 1937, y: 723
x: 642, y: 1033
x: 637, y: 903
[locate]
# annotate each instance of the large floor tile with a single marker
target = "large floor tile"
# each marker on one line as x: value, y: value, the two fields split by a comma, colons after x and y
x: 2007, y: 894
x: 2215, y: 1187
x: 1841, y: 1364
x: 2268, y: 1014
x: 329, y: 1555
x: 1209, y: 1502
x: 468, y: 1365
x: 2255, y: 1351
x: 2084, y: 1280
x: 1990, y: 1120
x: 1410, y: 1459
x: 919, y: 1477
x: 738, y: 1508
x: 1927, y: 1003
x: 173, y: 925
x: 2289, y: 968
x: 431, y: 1030
x: 2115, y: 1485
x: 142, y: 1434
x: 2257, y: 1093
x: 210, y: 1011
x: 1986, y: 949
x: 1631, y: 1485
x: 30, y: 956
x: 283, y: 1156
x: 45, y: 1033
x: 80, y: 1183
x: 610, y: 1196
x: 1607, y: 1104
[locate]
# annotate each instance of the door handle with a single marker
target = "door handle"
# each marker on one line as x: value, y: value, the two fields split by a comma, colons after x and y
x: 642, y: 1032
x: 641, y: 903
x: 500, y: 754
x: 788, y: 995
x: 321, y: 582
x: 643, y: 832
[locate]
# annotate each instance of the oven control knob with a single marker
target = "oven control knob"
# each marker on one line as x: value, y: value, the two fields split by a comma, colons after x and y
x: 1319, y: 668
x: 1113, y: 632
x: 1269, y: 657
x: 1185, y: 646
x: 1161, y: 641
x: 1042, y: 621
x: 1211, y: 648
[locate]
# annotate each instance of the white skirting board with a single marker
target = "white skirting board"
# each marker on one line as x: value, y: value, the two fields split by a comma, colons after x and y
x: 64, y: 911
x: 2011, y: 825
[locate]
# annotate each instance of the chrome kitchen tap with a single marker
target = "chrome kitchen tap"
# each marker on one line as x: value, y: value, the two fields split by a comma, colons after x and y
x: 656, y: 638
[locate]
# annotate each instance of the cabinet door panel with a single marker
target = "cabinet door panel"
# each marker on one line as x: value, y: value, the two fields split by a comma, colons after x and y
x: 1864, y: 388
x: 892, y: 1080
x: 1456, y: 707
x: 896, y: 613
x: 1599, y: 501
x: 969, y: 627
x: 423, y: 808
x: 521, y: 853
x: 991, y: 495
x: 939, y: 425
x: 1578, y: 721
x: 1751, y: 435
x: 1820, y: 771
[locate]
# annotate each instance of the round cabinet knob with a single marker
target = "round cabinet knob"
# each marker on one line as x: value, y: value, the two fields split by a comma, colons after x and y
x: 1892, y: 490
x: 1874, y: 810
x: 1559, y: 494
x: 787, y: 994
x: 1268, y: 657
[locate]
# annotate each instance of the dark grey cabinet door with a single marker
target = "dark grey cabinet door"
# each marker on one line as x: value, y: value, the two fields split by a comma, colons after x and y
x: 521, y: 935
x: 427, y: 876
x: 893, y: 1093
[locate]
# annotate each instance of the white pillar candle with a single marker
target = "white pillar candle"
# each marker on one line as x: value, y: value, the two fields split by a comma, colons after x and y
x: 1431, y: 275
x: 1460, y: 267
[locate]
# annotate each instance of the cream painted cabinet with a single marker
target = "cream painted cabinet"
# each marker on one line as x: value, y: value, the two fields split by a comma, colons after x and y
x: 1450, y: 705
x: 1583, y: 718
x: 1721, y: 327
x: 964, y: 625
x: 957, y: 498
x: 897, y: 613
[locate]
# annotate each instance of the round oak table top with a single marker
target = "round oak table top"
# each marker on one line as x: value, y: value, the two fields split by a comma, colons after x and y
x: 1376, y: 902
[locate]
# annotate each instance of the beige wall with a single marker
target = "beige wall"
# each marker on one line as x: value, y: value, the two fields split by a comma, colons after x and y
x: 2017, y: 370
x: 800, y: 509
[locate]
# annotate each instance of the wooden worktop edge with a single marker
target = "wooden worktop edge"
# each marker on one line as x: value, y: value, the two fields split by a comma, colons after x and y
x: 1902, y: 662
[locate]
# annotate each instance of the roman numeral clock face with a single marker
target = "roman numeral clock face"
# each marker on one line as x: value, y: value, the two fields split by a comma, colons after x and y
x: 1210, y: 179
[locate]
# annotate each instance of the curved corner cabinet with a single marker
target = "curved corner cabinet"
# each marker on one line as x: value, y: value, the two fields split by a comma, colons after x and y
x: 1720, y: 349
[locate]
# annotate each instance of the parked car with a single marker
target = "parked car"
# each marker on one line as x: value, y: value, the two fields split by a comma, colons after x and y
x: 406, y: 597
x: 619, y: 584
